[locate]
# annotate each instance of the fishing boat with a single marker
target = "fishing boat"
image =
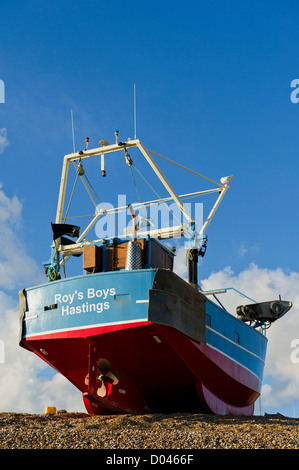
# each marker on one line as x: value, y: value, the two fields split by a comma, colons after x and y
x: 127, y: 331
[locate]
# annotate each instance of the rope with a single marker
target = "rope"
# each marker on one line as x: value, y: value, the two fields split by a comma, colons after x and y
x: 181, y: 166
x: 135, y: 184
x: 101, y: 202
x: 171, y: 212
x: 71, y: 197
x: 82, y: 178
x: 146, y: 181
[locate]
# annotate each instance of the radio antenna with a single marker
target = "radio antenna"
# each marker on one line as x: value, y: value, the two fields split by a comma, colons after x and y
x: 134, y: 111
x: 73, y: 132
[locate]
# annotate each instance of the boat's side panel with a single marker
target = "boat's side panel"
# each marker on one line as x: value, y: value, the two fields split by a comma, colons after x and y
x: 230, y: 343
x: 86, y: 302
x: 174, y: 302
x: 234, y: 339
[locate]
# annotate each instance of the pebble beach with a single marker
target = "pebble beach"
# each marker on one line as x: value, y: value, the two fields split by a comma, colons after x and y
x: 64, y: 430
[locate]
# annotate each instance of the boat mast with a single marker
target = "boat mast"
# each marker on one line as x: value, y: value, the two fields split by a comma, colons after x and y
x: 106, y: 148
x: 109, y: 149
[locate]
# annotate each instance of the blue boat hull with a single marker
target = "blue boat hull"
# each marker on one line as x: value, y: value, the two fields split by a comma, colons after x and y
x: 167, y: 346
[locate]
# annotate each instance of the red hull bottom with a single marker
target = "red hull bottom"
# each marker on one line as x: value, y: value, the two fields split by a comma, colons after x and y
x: 159, y: 370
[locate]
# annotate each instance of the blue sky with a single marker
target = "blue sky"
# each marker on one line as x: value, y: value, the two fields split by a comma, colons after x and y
x: 213, y: 93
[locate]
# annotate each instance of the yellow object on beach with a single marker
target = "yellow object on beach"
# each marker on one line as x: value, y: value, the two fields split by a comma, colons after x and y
x: 50, y: 410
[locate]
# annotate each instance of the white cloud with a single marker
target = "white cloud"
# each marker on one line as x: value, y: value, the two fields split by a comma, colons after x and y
x: 15, y: 263
x: 245, y: 249
x: 242, y: 251
x: 27, y: 384
x: 180, y: 262
x: 3, y: 139
x: 281, y: 375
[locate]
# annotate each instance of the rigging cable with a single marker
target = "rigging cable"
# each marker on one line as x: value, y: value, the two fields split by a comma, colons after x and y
x: 71, y: 197
x: 171, y: 212
x: 135, y: 185
x: 81, y: 176
x: 181, y: 166
x: 101, y: 203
